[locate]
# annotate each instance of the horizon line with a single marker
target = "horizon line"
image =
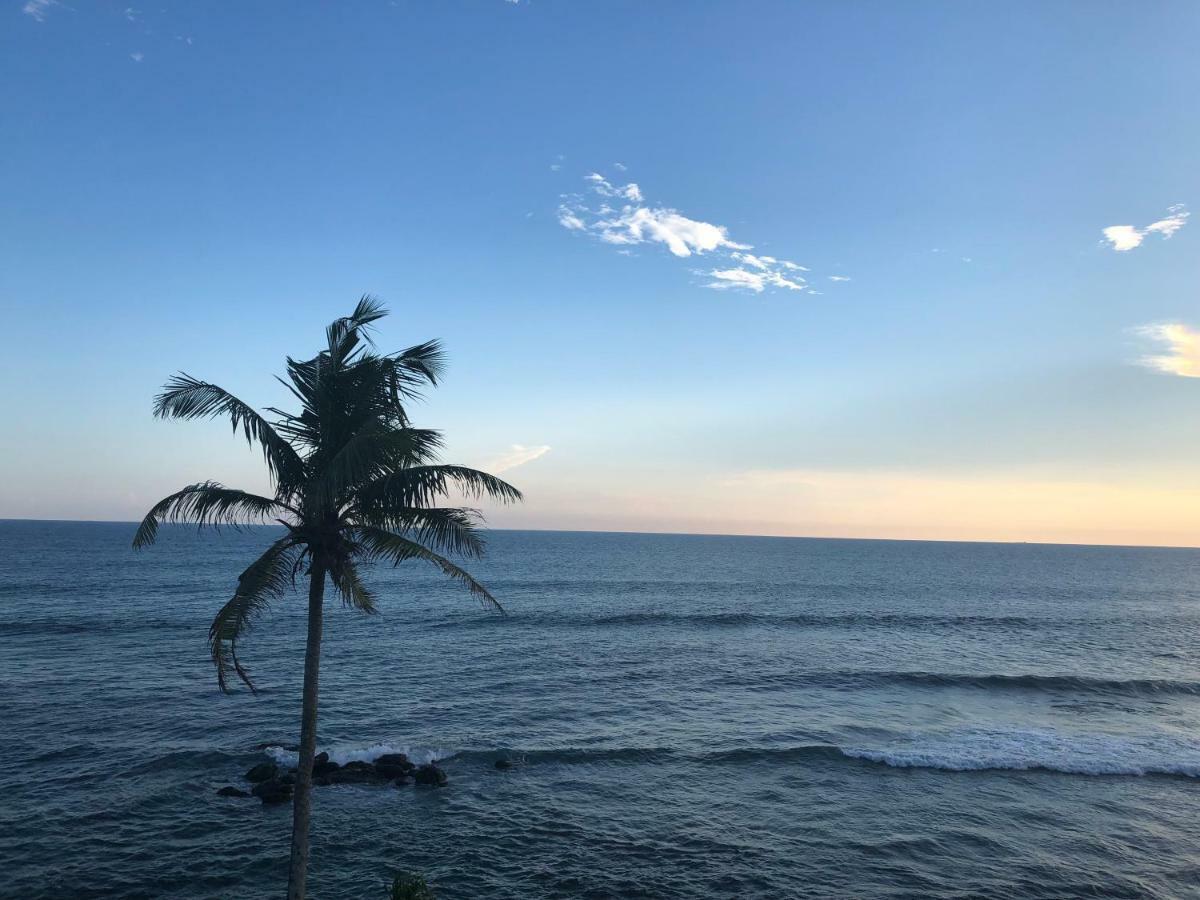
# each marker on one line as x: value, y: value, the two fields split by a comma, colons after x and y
x: 781, y: 537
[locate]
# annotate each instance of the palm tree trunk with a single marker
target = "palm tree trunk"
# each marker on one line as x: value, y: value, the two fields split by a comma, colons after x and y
x: 302, y: 803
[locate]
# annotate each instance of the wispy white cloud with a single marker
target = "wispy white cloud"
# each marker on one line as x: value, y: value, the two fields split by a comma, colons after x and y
x: 137, y: 57
x: 1123, y: 238
x: 624, y: 217
x: 620, y: 167
x: 38, y: 9
x: 517, y: 455
x: 753, y: 280
x: 839, y: 277
x: 1181, y: 346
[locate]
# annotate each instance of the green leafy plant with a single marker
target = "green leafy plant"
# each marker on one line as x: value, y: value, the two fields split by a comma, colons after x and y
x: 410, y: 887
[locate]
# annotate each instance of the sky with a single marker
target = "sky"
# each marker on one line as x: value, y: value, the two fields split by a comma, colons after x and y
x: 866, y: 269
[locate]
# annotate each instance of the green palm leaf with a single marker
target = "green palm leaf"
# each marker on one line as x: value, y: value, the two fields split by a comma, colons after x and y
x: 423, y: 485
x: 185, y: 397
x: 207, y: 504
x: 353, y: 592
x: 377, y: 543
x: 266, y: 579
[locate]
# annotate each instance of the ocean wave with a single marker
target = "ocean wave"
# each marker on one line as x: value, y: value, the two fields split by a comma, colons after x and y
x: 37, y: 627
x: 1027, y: 682
x: 1032, y: 749
x: 744, y: 620
x: 964, y: 751
x: 344, y: 753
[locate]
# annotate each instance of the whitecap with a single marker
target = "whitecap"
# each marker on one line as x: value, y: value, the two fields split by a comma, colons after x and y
x: 1024, y: 749
x: 344, y: 753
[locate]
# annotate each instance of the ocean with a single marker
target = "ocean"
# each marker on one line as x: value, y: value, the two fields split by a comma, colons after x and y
x: 689, y: 716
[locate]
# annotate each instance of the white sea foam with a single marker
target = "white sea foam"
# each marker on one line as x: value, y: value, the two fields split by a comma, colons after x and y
x: 344, y: 753
x: 1021, y: 749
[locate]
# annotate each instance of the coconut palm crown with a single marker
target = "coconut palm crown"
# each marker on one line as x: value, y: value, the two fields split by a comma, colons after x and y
x: 354, y: 482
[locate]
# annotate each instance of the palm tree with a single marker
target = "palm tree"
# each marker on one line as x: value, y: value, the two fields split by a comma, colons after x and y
x: 354, y: 482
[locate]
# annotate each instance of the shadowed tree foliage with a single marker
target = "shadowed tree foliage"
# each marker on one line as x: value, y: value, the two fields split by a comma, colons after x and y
x: 354, y: 482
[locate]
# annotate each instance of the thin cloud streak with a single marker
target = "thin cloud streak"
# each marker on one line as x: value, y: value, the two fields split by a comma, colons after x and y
x: 517, y: 455
x: 38, y: 9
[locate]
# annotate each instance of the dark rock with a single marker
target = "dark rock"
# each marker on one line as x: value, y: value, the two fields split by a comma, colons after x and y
x: 322, y: 780
x: 352, y: 775
x: 394, y: 771
x: 288, y: 778
x: 262, y: 772
x: 393, y: 759
x: 403, y: 781
x: 324, y: 768
x: 321, y: 759
x: 272, y: 791
x: 431, y: 775
x: 231, y: 792
x: 503, y: 764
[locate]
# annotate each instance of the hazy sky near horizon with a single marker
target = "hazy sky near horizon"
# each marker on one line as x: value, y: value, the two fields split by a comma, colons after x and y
x: 870, y: 269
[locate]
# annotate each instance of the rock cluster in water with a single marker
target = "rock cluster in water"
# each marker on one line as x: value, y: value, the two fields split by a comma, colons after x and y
x: 273, y: 784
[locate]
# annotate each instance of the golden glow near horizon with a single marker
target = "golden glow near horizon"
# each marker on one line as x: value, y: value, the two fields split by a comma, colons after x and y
x: 898, y: 505
x: 1182, y: 345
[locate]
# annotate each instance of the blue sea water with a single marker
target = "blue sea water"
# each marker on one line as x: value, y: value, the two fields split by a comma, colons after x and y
x: 690, y: 716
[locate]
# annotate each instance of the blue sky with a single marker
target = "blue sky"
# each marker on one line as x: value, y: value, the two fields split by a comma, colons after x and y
x: 203, y: 186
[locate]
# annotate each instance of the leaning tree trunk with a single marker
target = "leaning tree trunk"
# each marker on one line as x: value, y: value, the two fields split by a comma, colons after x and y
x: 302, y: 804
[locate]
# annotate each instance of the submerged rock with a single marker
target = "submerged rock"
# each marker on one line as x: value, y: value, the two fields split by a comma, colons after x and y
x: 232, y: 792
x: 393, y: 759
x: 503, y: 764
x: 393, y: 765
x: 272, y: 791
x: 403, y: 781
x: 262, y: 772
x: 324, y: 767
x: 430, y: 774
x: 353, y: 773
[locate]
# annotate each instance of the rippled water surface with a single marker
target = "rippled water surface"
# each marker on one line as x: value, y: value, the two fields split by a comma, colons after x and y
x: 691, y: 717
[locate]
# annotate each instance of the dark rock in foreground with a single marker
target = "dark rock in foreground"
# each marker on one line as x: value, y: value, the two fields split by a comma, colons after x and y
x: 262, y: 772
x: 275, y: 785
x: 272, y: 791
x: 430, y: 774
x: 354, y: 772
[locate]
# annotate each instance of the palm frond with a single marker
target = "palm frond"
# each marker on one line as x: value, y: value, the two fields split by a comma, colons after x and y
x: 425, y: 485
x: 376, y: 543
x: 185, y: 397
x: 353, y: 592
x: 266, y: 579
x: 443, y: 529
x: 420, y: 363
x: 207, y: 504
x: 374, y: 449
x: 343, y: 336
